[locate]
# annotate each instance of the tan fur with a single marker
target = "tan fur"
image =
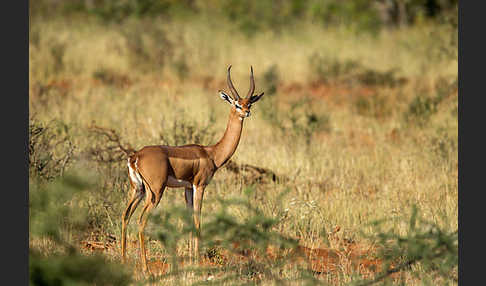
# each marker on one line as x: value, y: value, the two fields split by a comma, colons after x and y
x: 189, y: 166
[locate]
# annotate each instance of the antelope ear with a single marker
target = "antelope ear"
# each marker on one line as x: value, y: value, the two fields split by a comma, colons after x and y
x: 255, y: 98
x: 226, y: 97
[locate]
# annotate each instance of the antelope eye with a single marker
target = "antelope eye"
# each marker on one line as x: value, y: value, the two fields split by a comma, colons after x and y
x: 238, y: 106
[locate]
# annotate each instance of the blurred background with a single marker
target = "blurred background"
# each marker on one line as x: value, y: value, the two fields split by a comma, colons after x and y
x: 358, y: 124
x: 191, y: 39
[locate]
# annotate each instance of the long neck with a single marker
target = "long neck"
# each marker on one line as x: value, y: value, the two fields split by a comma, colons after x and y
x: 226, y: 146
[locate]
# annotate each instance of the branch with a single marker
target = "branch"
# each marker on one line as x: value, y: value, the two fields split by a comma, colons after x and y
x: 113, y: 137
x: 399, y: 268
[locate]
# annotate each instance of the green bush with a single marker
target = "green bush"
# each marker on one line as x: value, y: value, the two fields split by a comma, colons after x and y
x: 75, y: 269
x: 118, y: 11
x: 110, y: 77
x: 351, y: 72
x: 360, y: 14
x: 57, y: 213
x: 183, y: 131
x: 149, y: 48
x: 376, y: 105
x: 420, y: 110
x: 425, y: 243
x: 444, y: 145
x: 422, y: 107
x: 329, y: 70
x: 57, y: 51
x: 271, y: 80
x: 300, y: 121
x: 253, y: 15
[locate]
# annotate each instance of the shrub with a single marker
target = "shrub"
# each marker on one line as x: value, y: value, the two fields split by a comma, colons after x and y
x: 443, y: 144
x: 422, y: 107
x: 149, y: 48
x: 50, y: 149
x: 184, y: 131
x: 56, y: 212
x: 420, y: 110
x: 300, y: 121
x: 118, y: 11
x: 75, y: 269
x: 331, y: 70
x: 271, y: 80
x: 360, y: 14
x: 434, y: 248
x: 376, y: 106
x: 304, y: 122
x: 57, y: 51
x: 371, y: 77
x: 254, y: 16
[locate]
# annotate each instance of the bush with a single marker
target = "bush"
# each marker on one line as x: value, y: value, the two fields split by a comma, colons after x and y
x: 425, y: 243
x: 444, y: 145
x: 149, y: 48
x: 420, y: 110
x: 110, y: 77
x: 422, y: 107
x: 360, y: 14
x: 75, y: 269
x: 331, y: 70
x: 50, y: 149
x: 351, y: 72
x: 376, y: 106
x: 253, y: 15
x: 57, y: 51
x: 300, y: 121
x: 271, y: 80
x: 184, y: 131
x: 118, y: 11
x: 56, y: 212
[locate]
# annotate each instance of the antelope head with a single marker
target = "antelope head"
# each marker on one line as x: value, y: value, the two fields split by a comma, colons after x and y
x: 240, y: 105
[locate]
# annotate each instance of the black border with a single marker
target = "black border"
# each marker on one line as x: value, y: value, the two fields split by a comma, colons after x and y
x: 471, y: 89
x: 15, y: 119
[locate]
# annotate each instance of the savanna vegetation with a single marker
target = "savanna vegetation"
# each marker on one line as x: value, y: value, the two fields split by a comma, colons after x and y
x: 346, y: 172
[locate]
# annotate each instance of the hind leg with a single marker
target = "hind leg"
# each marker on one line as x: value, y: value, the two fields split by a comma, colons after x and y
x: 137, y: 195
x: 152, y: 200
x: 152, y: 167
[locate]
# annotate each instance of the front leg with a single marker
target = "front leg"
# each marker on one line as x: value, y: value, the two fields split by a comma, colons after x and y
x: 198, y: 193
x: 189, y: 197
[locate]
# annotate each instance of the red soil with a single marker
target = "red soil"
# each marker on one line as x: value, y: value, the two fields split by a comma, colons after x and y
x: 350, y: 258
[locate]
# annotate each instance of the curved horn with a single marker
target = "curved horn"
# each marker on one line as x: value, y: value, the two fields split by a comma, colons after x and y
x: 231, y: 87
x: 252, y: 84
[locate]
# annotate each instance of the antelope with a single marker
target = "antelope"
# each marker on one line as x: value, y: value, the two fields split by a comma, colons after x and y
x: 153, y: 168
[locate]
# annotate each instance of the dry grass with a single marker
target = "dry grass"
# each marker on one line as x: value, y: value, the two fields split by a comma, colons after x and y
x: 370, y: 163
